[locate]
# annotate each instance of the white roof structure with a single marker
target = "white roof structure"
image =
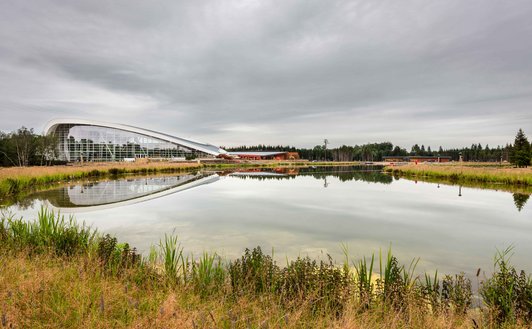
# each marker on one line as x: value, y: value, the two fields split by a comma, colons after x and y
x: 203, y: 147
x: 164, y: 192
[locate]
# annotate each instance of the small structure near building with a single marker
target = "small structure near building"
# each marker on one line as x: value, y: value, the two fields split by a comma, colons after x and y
x: 417, y: 158
x: 266, y: 155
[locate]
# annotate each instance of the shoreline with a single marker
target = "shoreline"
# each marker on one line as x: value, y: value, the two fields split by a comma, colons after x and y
x: 16, y: 180
x: 465, y: 173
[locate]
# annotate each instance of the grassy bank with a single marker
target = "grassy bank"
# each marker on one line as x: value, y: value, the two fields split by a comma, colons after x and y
x: 15, y: 180
x: 57, y: 273
x: 463, y: 173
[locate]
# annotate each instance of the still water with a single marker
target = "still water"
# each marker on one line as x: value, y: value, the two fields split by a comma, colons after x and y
x: 307, y: 211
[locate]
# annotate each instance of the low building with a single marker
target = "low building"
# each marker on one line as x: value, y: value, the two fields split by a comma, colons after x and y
x: 265, y: 155
x: 416, y: 158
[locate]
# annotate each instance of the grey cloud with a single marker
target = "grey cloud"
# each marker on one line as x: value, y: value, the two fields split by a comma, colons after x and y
x: 287, y: 72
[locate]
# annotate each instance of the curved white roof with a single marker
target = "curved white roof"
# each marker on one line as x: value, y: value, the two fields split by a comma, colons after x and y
x: 203, y: 147
x: 179, y: 188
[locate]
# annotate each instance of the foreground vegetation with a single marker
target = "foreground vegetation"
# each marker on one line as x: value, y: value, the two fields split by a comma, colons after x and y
x: 464, y: 173
x: 58, y: 273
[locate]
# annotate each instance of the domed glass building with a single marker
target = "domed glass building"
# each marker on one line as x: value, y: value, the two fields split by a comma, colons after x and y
x: 88, y: 140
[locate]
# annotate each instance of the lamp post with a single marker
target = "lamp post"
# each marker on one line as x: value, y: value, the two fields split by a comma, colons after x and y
x: 325, y: 142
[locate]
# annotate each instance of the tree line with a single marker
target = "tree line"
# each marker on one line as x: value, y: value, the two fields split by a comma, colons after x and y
x: 25, y: 148
x: 377, y: 151
x: 519, y: 153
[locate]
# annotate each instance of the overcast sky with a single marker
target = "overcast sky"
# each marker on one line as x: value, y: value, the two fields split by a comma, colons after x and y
x: 291, y: 72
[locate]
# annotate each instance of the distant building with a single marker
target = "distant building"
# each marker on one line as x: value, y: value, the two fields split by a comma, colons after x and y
x: 417, y: 158
x: 267, y: 155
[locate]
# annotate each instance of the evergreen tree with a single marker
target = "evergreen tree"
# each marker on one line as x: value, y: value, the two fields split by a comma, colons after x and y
x: 520, y: 154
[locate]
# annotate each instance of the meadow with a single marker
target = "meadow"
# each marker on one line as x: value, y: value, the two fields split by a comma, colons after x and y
x: 466, y: 172
x: 57, y: 272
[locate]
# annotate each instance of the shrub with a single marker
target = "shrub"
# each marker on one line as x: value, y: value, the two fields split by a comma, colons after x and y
x: 507, y: 294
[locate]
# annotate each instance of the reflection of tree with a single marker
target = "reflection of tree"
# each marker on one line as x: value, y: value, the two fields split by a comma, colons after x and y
x: 343, y: 173
x: 520, y: 200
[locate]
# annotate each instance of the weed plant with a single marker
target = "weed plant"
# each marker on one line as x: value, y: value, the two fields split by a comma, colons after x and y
x: 507, y: 294
x: 252, y: 291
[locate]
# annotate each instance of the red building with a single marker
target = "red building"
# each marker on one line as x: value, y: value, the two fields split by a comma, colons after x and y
x: 267, y: 155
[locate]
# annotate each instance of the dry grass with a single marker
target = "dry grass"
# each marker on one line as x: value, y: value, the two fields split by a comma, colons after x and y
x: 467, y: 172
x: 34, y: 172
x: 46, y: 291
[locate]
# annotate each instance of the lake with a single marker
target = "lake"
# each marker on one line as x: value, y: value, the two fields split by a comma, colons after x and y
x: 305, y: 211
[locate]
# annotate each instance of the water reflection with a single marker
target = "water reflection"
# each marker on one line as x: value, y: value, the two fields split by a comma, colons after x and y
x: 116, y: 193
x: 452, y: 228
x: 120, y: 192
x: 520, y: 200
x: 343, y: 173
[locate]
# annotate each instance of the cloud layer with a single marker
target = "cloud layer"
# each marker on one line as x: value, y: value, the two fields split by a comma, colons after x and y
x: 292, y: 72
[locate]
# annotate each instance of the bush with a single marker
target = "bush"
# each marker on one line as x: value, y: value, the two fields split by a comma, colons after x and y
x: 507, y: 294
x: 254, y: 273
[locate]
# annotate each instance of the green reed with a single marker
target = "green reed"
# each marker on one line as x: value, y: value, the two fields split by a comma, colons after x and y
x: 319, y: 288
x: 507, y: 294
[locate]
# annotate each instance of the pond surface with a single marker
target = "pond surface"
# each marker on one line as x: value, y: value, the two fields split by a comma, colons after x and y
x: 306, y: 211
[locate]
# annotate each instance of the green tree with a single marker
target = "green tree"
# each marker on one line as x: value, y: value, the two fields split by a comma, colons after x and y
x: 520, y: 154
x: 24, y: 141
x: 46, y: 148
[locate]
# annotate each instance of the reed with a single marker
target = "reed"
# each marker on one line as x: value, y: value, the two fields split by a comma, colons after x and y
x: 58, y: 273
x: 173, y: 259
x: 208, y: 274
x: 49, y: 232
x: 364, y: 281
x: 507, y: 294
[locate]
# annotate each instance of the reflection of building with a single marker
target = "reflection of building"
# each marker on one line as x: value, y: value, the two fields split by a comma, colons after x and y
x: 416, y: 158
x: 87, y: 140
x: 115, y: 193
x: 273, y: 155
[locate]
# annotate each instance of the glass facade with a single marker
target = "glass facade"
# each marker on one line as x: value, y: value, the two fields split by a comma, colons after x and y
x: 82, y: 143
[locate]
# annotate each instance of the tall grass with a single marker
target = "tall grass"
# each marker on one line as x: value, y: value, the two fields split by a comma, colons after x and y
x: 14, y: 181
x: 50, y: 231
x: 317, y: 291
x: 507, y: 294
x: 458, y: 173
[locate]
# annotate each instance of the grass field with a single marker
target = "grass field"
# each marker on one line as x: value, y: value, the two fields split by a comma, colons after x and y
x: 57, y: 273
x: 467, y: 172
x: 16, y: 180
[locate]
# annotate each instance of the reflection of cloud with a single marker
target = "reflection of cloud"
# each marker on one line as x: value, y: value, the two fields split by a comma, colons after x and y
x: 300, y: 217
